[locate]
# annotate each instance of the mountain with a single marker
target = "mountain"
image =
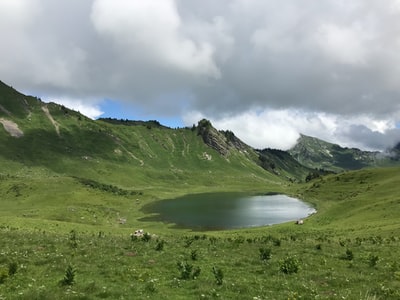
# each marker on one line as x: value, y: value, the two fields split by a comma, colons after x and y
x: 315, y: 153
x: 60, y: 140
x: 41, y: 135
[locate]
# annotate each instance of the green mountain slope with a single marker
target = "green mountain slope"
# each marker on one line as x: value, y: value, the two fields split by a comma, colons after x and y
x: 48, y: 135
x: 315, y: 153
x: 363, y: 201
x: 283, y: 164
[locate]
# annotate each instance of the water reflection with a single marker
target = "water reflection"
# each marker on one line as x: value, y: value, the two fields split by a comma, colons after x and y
x: 228, y: 211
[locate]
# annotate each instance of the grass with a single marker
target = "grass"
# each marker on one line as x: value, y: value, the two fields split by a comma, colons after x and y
x: 113, y: 266
x: 51, y: 224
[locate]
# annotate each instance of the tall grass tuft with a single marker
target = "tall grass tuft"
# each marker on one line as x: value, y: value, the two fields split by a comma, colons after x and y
x: 69, y: 277
x: 218, y: 274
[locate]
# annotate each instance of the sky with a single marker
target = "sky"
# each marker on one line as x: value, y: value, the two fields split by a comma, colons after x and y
x: 267, y: 70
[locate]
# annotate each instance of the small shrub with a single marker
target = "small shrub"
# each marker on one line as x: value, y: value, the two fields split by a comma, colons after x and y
x: 12, y: 268
x: 318, y: 247
x: 239, y: 240
x: 349, y: 255
x: 151, y: 286
x: 265, y: 254
x: 196, y: 272
x: 372, y: 260
x: 218, y: 274
x: 194, y: 254
x: 289, y: 265
x: 213, y: 240
x: 146, y: 237
x: 72, y: 239
x: 3, y: 274
x: 69, y: 277
x: 277, y: 242
x: 160, y: 245
x: 187, y: 271
x: 188, y: 242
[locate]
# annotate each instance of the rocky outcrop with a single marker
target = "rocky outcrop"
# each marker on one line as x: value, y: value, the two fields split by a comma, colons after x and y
x: 222, y: 141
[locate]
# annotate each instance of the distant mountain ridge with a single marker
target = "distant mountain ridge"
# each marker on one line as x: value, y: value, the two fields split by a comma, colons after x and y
x: 61, y: 139
x: 316, y: 153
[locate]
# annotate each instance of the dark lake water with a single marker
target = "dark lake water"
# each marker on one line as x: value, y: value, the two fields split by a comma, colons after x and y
x: 227, y: 210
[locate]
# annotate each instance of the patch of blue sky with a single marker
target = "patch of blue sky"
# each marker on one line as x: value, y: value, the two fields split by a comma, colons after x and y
x: 128, y: 111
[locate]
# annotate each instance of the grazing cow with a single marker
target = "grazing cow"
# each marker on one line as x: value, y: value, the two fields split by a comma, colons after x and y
x: 299, y: 222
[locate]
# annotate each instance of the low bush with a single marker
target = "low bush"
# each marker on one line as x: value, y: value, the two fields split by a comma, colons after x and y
x: 289, y: 265
x: 187, y: 271
x: 265, y: 254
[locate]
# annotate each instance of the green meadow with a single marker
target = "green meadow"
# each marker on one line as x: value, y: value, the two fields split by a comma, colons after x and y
x: 62, y: 238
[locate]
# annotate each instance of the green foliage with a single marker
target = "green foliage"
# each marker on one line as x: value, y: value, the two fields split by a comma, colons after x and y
x: 187, y: 271
x: 69, y: 277
x: 160, y: 245
x: 230, y: 136
x: 204, y: 123
x: 348, y: 255
x: 277, y: 242
x: 265, y: 254
x: 289, y: 265
x: 312, y: 175
x: 372, y: 260
x: 12, y: 268
x: 112, y: 267
x: 151, y: 286
x: 189, y: 241
x: 194, y: 254
x: 72, y: 239
x: 218, y: 275
x: 146, y: 237
x: 107, y: 187
x: 3, y: 274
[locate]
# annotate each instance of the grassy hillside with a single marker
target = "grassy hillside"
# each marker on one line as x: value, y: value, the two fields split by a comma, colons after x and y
x: 363, y: 201
x: 319, y: 154
x: 125, y: 153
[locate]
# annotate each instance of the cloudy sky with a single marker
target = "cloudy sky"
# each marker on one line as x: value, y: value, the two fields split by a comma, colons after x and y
x: 265, y: 69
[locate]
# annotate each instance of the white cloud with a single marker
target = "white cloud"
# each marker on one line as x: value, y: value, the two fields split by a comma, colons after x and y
x: 307, y: 66
x: 346, y: 45
x: 280, y: 129
x: 152, y: 30
x: 90, y: 110
x: 17, y: 14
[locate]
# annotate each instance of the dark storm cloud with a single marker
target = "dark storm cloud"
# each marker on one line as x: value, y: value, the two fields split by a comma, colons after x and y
x: 366, y: 137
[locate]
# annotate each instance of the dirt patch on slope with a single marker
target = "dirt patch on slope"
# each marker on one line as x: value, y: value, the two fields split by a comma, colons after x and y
x: 11, y: 128
x: 50, y: 117
x: 2, y: 108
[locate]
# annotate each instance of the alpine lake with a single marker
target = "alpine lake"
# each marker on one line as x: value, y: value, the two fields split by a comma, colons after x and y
x: 223, y: 211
